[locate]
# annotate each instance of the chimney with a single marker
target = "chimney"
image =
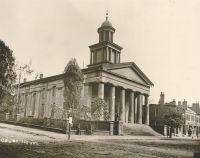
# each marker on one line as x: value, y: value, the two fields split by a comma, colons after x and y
x: 41, y: 76
x: 174, y: 102
x: 25, y: 80
x: 162, y: 99
x: 185, y: 104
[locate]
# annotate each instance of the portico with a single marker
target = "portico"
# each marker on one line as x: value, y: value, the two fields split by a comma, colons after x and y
x: 124, y: 104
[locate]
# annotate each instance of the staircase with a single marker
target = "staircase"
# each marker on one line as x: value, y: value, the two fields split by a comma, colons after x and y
x: 139, y: 130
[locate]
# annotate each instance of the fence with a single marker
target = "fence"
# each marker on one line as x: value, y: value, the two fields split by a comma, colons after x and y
x: 58, y: 125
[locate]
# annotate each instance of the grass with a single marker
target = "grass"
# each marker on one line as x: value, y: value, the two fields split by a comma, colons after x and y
x: 103, y: 148
x: 139, y: 130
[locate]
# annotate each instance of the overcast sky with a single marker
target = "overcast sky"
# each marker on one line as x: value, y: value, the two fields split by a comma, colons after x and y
x: 161, y: 36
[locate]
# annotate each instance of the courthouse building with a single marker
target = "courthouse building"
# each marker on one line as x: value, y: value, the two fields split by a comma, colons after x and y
x: 123, y: 86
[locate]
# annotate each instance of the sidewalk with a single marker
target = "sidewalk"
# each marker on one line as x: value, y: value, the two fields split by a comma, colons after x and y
x: 30, y: 134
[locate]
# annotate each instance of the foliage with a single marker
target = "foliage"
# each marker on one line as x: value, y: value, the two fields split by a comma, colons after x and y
x: 6, y: 105
x: 7, y: 73
x: 84, y: 112
x: 73, y: 80
x: 174, y: 118
x: 99, y: 109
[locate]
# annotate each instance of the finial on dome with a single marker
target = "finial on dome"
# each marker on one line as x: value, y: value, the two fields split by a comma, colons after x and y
x: 106, y: 14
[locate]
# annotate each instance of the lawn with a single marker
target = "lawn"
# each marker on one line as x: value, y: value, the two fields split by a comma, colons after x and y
x: 102, y: 148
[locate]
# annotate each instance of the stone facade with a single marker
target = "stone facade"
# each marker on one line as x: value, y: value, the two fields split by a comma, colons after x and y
x: 123, y: 86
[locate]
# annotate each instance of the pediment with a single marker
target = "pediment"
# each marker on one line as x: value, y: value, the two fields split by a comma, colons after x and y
x: 128, y: 73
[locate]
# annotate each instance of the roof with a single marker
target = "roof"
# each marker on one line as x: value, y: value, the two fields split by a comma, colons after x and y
x: 42, y: 80
x: 106, y: 23
x: 100, y: 67
x: 109, y: 68
x: 189, y: 110
x: 104, y: 43
x: 135, y: 68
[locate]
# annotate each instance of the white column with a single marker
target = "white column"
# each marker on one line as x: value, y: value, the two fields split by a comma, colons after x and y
x: 139, y: 109
x: 87, y: 95
x: 101, y: 90
x: 122, y: 105
x: 126, y: 110
x: 112, y: 103
x: 101, y: 95
x: 147, y: 109
x: 131, y: 107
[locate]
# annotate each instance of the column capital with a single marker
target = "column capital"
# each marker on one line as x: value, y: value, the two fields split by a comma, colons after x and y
x: 146, y: 95
x: 86, y: 84
x: 130, y: 90
x: 111, y: 85
x: 122, y: 88
x: 137, y: 93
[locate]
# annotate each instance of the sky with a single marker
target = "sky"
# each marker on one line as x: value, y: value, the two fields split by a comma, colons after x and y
x: 161, y: 36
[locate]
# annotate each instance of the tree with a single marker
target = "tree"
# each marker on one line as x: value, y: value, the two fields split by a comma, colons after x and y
x: 99, y: 109
x: 174, y: 118
x: 7, y: 104
x: 7, y: 72
x: 73, y: 82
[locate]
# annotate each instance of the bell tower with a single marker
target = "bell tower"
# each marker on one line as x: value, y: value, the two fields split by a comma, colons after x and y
x: 106, y: 51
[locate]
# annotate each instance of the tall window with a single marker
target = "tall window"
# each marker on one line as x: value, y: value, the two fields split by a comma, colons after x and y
x: 25, y: 106
x: 54, y: 91
x: 43, y: 94
x: 107, y: 35
x: 104, y: 54
x: 34, y: 101
x: 101, y: 36
x: 109, y: 54
x: 42, y: 111
x: 99, y: 55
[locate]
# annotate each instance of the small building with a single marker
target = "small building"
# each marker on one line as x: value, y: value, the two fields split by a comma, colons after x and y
x: 123, y: 86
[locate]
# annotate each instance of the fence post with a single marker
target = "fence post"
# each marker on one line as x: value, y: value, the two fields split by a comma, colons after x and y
x: 120, y: 128
x: 111, y: 128
x: 7, y: 116
x: 18, y: 117
x: 165, y: 130
x: 48, y: 121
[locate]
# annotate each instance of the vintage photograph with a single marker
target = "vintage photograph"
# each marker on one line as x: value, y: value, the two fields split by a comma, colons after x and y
x: 99, y: 79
